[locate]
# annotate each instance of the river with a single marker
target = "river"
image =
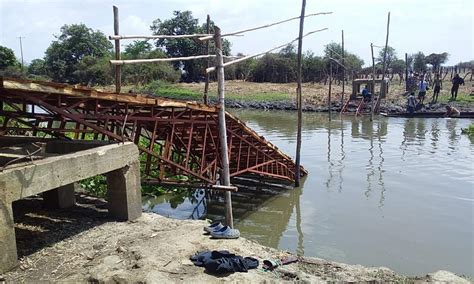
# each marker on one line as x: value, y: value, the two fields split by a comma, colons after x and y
x: 398, y: 192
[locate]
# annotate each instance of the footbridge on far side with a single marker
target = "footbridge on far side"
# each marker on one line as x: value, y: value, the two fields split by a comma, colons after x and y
x: 178, y: 141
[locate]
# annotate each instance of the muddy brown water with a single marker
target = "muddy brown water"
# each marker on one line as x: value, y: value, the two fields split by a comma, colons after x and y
x: 398, y: 192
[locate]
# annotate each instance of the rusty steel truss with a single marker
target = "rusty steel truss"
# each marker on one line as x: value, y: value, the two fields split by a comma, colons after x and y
x: 178, y: 141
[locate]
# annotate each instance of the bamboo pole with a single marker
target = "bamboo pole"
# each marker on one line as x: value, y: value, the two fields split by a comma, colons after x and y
x: 343, y: 69
x: 330, y: 85
x: 373, y: 84
x: 222, y: 127
x: 118, y: 37
x: 262, y: 53
x: 266, y: 26
x: 299, y: 97
x: 118, y: 77
x: 152, y: 60
x: 206, y: 86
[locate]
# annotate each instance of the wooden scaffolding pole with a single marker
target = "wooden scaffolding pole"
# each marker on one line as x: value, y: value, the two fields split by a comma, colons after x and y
x: 343, y: 69
x: 373, y: 84
x: 225, y: 178
x: 299, y: 97
x: 206, y: 86
x: 384, y: 65
x: 330, y: 84
x: 118, y: 77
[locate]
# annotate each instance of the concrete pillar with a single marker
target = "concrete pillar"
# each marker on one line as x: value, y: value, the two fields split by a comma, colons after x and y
x: 61, y: 197
x: 8, y: 255
x: 124, y: 193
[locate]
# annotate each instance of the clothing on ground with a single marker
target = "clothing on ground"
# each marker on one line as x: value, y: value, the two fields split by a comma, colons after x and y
x: 222, y: 262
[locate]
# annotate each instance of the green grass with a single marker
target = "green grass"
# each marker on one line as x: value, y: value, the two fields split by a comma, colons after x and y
x: 167, y: 90
x: 462, y: 98
x: 469, y: 131
x: 260, y: 97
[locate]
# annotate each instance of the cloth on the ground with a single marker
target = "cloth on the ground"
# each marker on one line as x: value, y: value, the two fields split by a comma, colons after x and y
x: 221, y: 262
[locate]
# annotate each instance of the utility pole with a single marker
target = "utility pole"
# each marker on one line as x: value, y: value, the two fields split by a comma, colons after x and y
x: 21, y: 51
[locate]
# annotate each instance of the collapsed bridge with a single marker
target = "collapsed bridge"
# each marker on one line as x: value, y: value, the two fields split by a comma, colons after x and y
x: 178, y: 141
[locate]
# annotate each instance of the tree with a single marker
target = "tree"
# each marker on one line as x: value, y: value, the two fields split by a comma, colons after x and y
x: 37, y: 67
x: 312, y: 67
x: 390, y: 57
x: 7, y: 57
x: 436, y: 59
x: 352, y: 62
x: 274, y: 68
x: 184, y: 23
x: 244, y: 69
x: 419, y: 62
x: 93, y: 70
x: 145, y: 73
x: 75, y: 42
x: 398, y: 67
x: 137, y: 49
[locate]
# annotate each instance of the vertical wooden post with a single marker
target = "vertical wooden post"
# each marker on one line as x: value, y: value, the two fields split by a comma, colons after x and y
x: 382, y: 85
x: 406, y: 72
x: 373, y: 84
x: 118, y: 79
x: 330, y: 84
x: 299, y: 100
x: 343, y: 70
x: 206, y: 86
x: 222, y: 126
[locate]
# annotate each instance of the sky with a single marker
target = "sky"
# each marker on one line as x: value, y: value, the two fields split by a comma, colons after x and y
x: 430, y: 26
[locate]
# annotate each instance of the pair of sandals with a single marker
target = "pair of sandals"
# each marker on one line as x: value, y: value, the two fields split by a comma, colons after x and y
x: 220, y: 231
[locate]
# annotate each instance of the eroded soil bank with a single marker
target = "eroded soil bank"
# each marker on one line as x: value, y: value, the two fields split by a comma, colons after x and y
x: 83, y: 244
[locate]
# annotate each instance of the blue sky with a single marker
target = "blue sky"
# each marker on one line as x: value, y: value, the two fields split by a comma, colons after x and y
x: 416, y: 25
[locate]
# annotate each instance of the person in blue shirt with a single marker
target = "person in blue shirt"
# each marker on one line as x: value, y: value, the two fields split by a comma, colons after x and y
x: 422, y: 87
x: 366, y: 94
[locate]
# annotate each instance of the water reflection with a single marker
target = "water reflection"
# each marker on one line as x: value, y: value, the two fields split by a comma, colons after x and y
x: 263, y: 213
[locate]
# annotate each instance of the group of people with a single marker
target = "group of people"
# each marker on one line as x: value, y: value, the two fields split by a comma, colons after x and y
x: 416, y: 82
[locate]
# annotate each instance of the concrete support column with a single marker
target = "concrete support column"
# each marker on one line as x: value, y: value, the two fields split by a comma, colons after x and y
x: 61, y: 197
x: 124, y: 193
x: 8, y: 255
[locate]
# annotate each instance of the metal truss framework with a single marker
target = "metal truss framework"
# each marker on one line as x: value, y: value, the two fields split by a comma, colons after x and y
x: 178, y: 141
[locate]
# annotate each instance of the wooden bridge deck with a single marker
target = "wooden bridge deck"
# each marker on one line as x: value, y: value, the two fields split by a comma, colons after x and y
x: 178, y: 141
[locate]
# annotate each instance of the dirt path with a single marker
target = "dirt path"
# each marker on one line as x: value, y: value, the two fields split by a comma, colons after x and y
x: 83, y: 244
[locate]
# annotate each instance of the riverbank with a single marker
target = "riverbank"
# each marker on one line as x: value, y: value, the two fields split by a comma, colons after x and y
x: 83, y: 244
x: 272, y: 96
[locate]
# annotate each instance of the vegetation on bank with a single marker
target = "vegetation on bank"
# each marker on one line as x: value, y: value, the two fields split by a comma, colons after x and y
x: 469, y: 131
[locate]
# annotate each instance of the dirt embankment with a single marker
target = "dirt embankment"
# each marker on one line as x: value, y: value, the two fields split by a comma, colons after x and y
x: 240, y: 94
x: 83, y: 244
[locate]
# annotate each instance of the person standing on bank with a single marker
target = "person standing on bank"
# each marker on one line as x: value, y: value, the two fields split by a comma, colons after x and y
x: 422, y: 88
x: 437, y: 85
x: 457, y: 81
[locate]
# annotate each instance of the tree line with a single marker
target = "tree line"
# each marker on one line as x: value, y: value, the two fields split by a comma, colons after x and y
x: 80, y: 54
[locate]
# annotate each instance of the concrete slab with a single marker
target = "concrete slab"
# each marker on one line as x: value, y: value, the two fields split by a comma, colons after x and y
x: 55, y: 178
